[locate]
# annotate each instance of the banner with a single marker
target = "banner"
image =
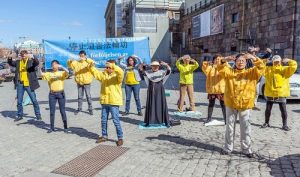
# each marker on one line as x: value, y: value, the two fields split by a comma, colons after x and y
x: 100, y: 50
x: 217, y: 20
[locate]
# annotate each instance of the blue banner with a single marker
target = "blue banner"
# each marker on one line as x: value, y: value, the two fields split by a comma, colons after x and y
x: 100, y: 50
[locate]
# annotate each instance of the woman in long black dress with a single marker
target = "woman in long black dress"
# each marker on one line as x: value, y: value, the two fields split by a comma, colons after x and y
x: 156, y: 106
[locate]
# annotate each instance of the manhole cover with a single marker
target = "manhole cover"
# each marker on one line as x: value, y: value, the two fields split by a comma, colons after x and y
x: 91, y: 162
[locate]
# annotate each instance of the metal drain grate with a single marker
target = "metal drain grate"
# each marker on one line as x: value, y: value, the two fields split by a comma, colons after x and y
x: 91, y: 162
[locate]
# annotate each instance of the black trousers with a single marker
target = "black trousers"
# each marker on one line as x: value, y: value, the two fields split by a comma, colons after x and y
x: 282, y: 107
x: 60, y: 98
x: 211, y: 105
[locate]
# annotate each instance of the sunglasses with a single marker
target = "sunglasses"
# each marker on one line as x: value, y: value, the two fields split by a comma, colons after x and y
x: 108, y: 67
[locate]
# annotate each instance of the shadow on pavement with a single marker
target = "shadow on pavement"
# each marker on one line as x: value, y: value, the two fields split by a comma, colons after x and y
x: 285, y: 166
x: 186, y: 142
x: 73, y: 130
x: 131, y: 121
x: 13, y: 115
x: 69, y: 101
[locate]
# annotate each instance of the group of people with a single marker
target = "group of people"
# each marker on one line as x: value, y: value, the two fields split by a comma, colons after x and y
x: 234, y: 86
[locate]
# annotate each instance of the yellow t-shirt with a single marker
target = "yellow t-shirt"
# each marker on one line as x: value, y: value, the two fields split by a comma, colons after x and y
x: 130, y: 78
x: 55, y: 80
x: 23, y: 72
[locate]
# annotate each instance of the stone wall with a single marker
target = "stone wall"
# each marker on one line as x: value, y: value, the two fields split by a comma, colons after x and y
x: 270, y: 24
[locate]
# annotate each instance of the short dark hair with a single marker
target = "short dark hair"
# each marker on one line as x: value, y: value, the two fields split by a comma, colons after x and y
x: 54, y: 61
x: 216, y: 56
x: 23, y: 52
x: 82, y: 52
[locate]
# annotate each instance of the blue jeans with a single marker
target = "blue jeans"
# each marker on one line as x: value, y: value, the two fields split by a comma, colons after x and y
x: 53, y: 98
x: 20, y: 93
x: 114, y: 110
x: 136, y: 93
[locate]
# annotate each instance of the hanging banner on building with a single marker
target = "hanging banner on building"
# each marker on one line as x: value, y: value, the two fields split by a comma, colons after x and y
x: 217, y: 20
x: 196, y: 27
x: 210, y: 22
x: 100, y: 50
x: 205, y: 24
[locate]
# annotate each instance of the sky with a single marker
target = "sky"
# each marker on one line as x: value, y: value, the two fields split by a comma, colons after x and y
x: 51, y: 19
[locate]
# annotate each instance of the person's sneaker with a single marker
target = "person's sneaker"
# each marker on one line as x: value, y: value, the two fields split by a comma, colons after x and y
x: 38, y: 118
x: 51, y: 130
x: 224, y: 152
x: 77, y: 111
x: 101, y: 139
x: 125, y: 114
x: 256, y: 108
x: 119, y: 142
x: 18, y: 119
x: 91, y: 112
x: 286, y: 128
x: 66, y: 130
x: 265, y: 125
x: 251, y: 155
x: 140, y: 113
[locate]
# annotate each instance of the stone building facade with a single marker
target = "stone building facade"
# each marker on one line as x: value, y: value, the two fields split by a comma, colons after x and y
x: 268, y: 23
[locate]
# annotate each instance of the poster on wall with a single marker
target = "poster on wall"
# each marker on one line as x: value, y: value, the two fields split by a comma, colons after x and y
x: 217, y: 20
x: 205, y: 24
x: 196, y: 27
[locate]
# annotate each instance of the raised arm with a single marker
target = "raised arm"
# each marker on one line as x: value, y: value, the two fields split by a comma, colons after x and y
x: 120, y: 74
x: 179, y: 65
x: 289, y: 70
x: 259, y: 67
x: 195, y: 64
x: 206, y: 67
x: 65, y: 73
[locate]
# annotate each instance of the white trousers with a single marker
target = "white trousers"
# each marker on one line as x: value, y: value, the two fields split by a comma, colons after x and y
x: 245, y: 129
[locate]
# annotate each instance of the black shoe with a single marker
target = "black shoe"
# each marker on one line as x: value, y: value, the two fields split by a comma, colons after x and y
x: 18, y: 119
x: 140, y: 114
x: 38, y: 118
x: 207, y: 120
x: 256, y: 108
x: 91, y: 112
x: 251, y: 155
x: 51, y: 130
x: 265, y: 125
x: 77, y: 111
x: 223, y: 152
x: 125, y: 114
x: 66, y: 130
x: 286, y: 128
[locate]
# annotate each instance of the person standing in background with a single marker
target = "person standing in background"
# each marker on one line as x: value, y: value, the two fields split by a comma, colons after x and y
x: 83, y: 78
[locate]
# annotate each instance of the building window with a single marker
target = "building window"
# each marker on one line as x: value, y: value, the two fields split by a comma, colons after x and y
x: 235, y: 18
x: 196, y: 6
x: 189, y: 31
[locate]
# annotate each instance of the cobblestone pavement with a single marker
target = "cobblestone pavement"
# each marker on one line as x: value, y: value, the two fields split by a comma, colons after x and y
x: 190, y: 149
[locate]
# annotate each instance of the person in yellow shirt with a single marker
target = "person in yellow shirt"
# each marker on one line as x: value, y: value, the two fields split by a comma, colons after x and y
x: 56, y: 80
x: 26, y: 80
x: 186, y: 67
x: 132, y: 82
x: 111, y: 97
x: 215, y: 86
x: 83, y: 78
x: 277, y: 87
x: 239, y: 97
